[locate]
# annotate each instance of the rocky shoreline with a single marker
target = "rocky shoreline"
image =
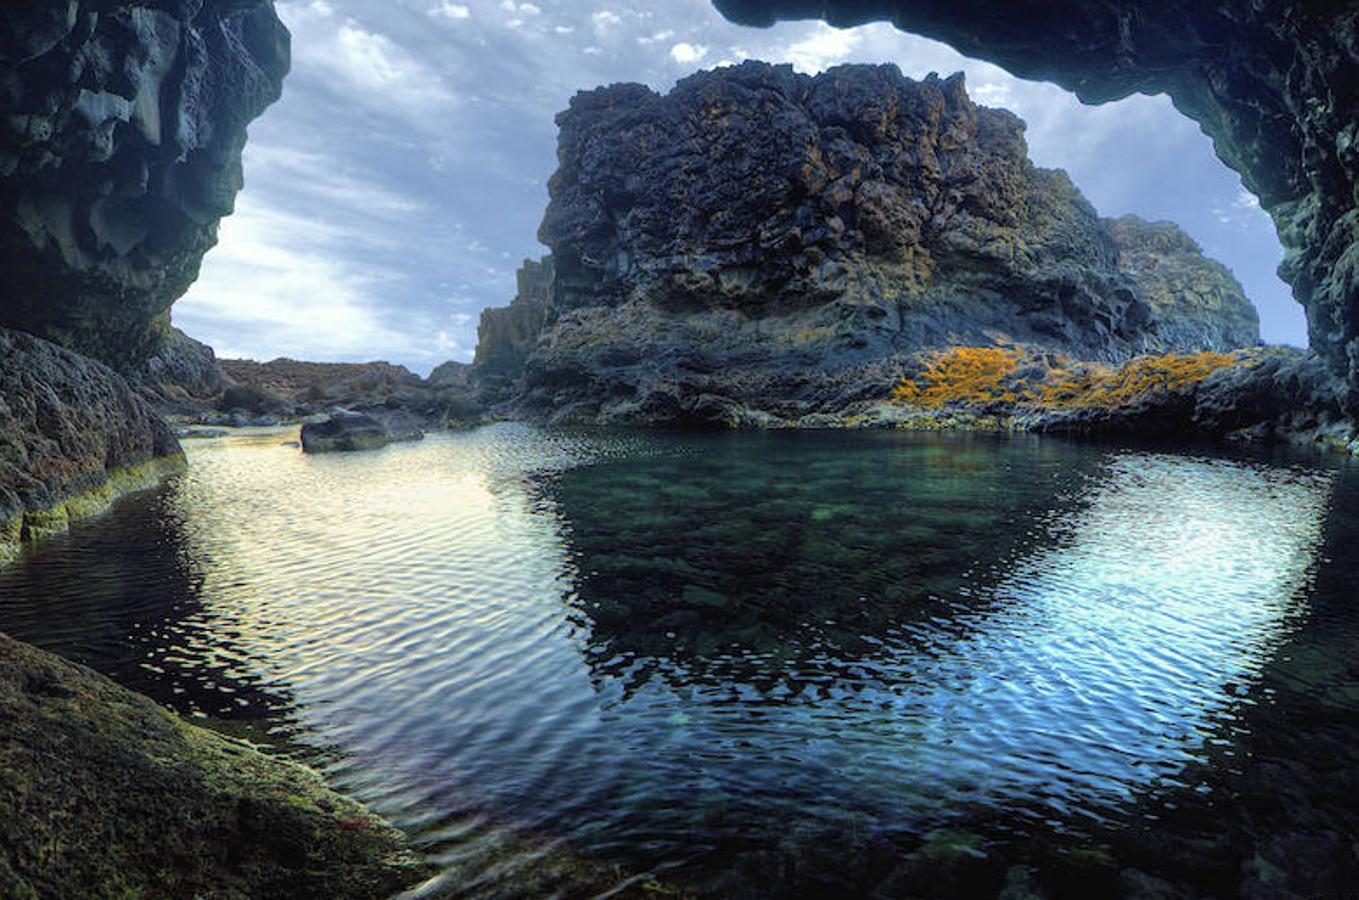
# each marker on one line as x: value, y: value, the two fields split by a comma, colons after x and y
x: 147, y: 805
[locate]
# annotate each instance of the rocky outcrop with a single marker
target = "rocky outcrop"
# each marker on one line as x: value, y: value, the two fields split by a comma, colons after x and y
x: 1196, y: 300
x: 73, y: 434
x: 507, y: 335
x: 105, y: 792
x: 344, y: 431
x: 1275, y: 84
x: 120, y: 149
x: 180, y: 375
x: 753, y: 241
x: 185, y: 381
x: 1259, y: 395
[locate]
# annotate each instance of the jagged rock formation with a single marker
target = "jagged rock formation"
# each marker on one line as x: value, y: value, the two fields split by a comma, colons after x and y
x: 120, y: 149
x: 106, y: 793
x: 1196, y: 300
x: 73, y: 434
x: 752, y: 240
x: 1275, y: 84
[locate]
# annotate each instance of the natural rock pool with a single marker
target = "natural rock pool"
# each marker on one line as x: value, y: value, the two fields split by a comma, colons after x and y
x: 763, y: 664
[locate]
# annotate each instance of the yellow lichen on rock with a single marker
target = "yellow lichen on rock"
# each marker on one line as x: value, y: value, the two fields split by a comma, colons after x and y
x: 1100, y: 387
x: 962, y: 375
x: 981, y: 376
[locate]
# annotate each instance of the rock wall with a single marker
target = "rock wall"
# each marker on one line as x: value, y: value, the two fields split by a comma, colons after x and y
x: 1275, y: 84
x: 120, y: 150
x: 1196, y: 301
x: 759, y: 236
x: 73, y: 434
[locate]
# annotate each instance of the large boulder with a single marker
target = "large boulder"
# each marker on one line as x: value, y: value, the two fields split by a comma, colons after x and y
x: 120, y: 149
x: 1274, y: 83
x: 106, y: 793
x: 759, y: 240
x: 344, y: 431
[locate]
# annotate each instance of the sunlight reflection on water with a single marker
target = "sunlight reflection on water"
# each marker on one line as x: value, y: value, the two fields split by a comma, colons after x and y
x: 691, y: 650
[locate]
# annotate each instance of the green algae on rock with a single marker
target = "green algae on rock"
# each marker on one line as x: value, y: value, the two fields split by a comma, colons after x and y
x: 73, y: 437
x: 108, y: 794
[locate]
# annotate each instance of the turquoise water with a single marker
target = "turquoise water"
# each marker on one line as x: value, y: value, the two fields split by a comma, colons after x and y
x: 761, y: 664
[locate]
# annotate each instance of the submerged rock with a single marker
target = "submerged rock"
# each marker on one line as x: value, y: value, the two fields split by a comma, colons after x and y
x: 104, y: 791
x: 754, y: 243
x: 344, y: 431
x: 73, y: 436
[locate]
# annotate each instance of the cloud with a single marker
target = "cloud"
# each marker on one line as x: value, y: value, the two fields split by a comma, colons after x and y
x: 605, y: 21
x: 822, y: 50
x: 374, y: 71
x: 405, y: 167
x: 688, y: 53
x: 446, y: 10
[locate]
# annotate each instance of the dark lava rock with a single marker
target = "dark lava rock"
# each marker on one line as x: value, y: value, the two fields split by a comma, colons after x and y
x: 1275, y: 84
x: 343, y: 431
x: 180, y: 375
x: 105, y: 792
x: 120, y: 148
x: 749, y: 243
x: 1196, y: 300
x: 73, y: 434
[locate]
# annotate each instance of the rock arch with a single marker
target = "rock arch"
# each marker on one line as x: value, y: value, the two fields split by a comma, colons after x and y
x: 1274, y: 84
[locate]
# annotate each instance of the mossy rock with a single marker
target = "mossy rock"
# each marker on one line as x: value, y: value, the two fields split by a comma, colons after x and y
x: 106, y: 794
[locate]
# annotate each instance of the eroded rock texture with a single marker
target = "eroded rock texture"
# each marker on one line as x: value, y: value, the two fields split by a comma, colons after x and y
x: 756, y: 238
x: 120, y: 148
x: 1276, y: 84
x: 73, y: 434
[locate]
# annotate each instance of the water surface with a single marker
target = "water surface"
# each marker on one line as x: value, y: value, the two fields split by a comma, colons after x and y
x: 753, y: 664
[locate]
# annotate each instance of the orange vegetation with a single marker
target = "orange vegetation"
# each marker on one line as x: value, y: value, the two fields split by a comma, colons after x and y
x: 983, y: 375
x: 961, y: 375
x: 1102, y: 388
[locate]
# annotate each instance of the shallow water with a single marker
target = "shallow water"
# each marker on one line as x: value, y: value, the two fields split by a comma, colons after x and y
x: 753, y: 664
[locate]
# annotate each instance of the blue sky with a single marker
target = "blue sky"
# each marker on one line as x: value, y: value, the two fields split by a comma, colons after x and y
x: 392, y: 192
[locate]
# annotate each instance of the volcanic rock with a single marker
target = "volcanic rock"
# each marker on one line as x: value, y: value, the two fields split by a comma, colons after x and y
x: 753, y: 246
x: 120, y: 149
x: 1275, y: 84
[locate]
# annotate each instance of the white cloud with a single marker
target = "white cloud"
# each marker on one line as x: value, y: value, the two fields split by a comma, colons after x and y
x: 688, y: 53
x: 446, y: 10
x: 605, y: 21
x: 373, y: 70
x: 655, y: 38
x: 822, y: 50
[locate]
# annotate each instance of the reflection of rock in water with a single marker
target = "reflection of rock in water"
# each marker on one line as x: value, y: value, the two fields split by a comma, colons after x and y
x: 132, y: 609
x: 781, y: 558
x: 1085, y: 630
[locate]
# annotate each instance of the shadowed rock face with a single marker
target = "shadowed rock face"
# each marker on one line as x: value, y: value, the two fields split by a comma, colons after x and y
x: 73, y: 435
x: 1275, y: 84
x: 119, y: 152
x: 760, y: 236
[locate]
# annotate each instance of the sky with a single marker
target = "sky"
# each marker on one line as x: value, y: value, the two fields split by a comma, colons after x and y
x: 394, y: 190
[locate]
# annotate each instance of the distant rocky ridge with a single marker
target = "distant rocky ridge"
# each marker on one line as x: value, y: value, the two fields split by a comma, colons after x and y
x: 185, y: 381
x: 757, y: 245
